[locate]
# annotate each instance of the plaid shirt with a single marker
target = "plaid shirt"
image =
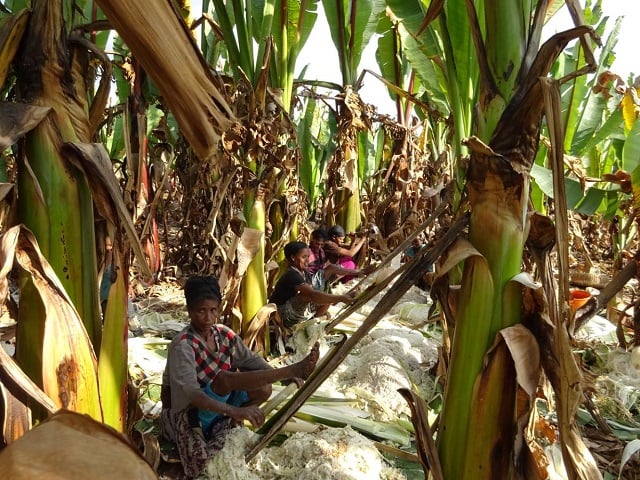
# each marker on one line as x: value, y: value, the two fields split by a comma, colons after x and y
x: 209, y: 364
x: 191, y: 365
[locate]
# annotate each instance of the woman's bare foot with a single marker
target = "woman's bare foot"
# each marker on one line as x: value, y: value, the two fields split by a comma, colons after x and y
x: 305, y: 367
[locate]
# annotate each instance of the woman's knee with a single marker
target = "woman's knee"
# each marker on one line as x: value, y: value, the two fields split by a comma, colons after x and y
x: 261, y: 394
x: 222, y: 384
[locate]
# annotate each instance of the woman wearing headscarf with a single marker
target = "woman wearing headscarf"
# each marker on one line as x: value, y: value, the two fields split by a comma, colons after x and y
x: 339, y: 253
x: 294, y: 294
x: 212, y: 381
x: 321, y: 269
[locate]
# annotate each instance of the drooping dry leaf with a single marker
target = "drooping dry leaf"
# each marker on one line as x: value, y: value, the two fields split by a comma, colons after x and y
x: 16, y: 119
x: 69, y: 380
x: 257, y: 327
x: 15, y: 417
x: 70, y: 445
x: 17, y: 392
x: 560, y: 367
x: 11, y: 33
x: 459, y: 251
x: 247, y: 248
x: 526, y: 356
x: 425, y: 446
x: 161, y: 41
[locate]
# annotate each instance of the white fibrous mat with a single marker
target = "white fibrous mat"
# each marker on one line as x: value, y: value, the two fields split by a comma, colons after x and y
x: 622, y: 380
x: 397, y: 353
x: 326, y: 454
x: 386, y: 360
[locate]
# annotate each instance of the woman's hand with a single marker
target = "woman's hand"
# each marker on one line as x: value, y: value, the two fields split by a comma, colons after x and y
x: 367, y: 270
x: 251, y: 413
x: 348, y: 299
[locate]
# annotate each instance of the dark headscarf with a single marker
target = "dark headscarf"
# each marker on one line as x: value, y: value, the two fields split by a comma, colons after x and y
x: 201, y: 287
x: 337, y: 231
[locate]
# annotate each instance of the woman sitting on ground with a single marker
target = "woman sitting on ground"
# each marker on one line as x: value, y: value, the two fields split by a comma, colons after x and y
x: 320, y: 268
x: 342, y: 254
x: 294, y: 294
x: 212, y: 381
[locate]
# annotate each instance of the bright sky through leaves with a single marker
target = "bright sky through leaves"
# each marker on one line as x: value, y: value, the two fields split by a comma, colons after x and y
x: 321, y: 58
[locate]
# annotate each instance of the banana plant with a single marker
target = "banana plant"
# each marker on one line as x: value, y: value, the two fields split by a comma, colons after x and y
x: 489, y: 64
x: 599, y: 117
x: 62, y: 345
x: 202, y: 110
x: 594, y: 126
x: 56, y: 205
x: 259, y: 41
x: 316, y: 128
x: 288, y: 23
x: 352, y: 25
x: 43, y: 171
x: 416, y: 143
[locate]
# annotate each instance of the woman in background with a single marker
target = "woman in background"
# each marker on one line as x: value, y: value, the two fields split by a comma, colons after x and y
x: 323, y: 271
x: 339, y: 253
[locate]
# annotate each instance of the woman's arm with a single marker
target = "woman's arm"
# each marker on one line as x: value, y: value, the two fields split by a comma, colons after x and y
x: 251, y: 413
x: 354, y: 247
x: 307, y: 292
x: 333, y: 269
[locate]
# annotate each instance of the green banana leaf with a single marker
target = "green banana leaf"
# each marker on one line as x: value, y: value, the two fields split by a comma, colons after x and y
x: 588, y: 202
x: 352, y: 25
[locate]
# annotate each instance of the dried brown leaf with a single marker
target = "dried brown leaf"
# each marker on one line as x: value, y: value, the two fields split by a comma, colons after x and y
x: 17, y: 119
x: 70, y: 445
x: 425, y: 446
x: 161, y: 41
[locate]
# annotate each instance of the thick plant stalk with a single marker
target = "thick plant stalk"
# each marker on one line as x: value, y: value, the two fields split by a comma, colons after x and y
x: 352, y: 24
x: 52, y: 348
x: 349, y: 196
x: 469, y: 346
x: 353, y: 119
x: 498, y: 194
x: 254, y: 284
x: 55, y: 202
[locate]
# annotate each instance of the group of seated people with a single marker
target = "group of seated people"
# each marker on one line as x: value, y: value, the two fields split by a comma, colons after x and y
x: 300, y: 292
x: 212, y: 381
